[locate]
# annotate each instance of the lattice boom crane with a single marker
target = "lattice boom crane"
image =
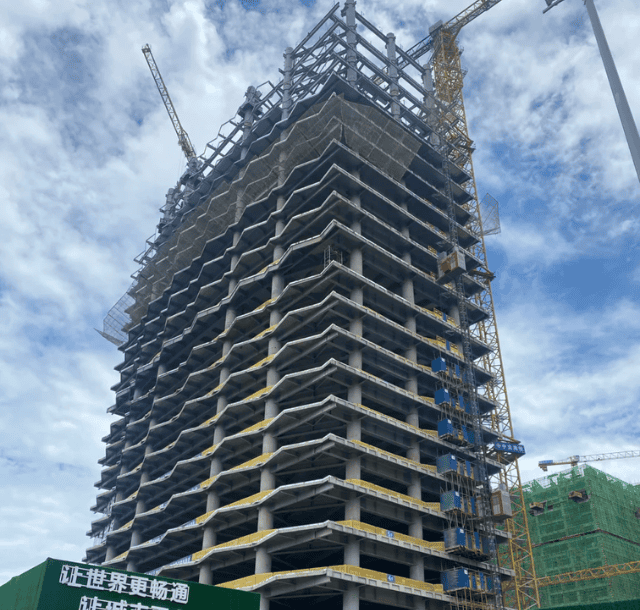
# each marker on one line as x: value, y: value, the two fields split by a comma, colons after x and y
x: 619, y: 569
x: 453, y: 26
x: 183, y: 138
x: 574, y: 460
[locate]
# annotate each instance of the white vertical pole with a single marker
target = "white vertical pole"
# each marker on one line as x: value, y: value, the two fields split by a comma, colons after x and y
x: 628, y: 124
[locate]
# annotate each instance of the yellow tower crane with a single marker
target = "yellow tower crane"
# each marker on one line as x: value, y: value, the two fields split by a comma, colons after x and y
x: 574, y: 460
x: 447, y: 75
x: 183, y: 138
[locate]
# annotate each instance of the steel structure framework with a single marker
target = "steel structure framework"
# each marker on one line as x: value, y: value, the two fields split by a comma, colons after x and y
x: 344, y: 84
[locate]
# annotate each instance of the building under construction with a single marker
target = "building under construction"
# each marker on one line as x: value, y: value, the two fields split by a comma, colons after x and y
x: 311, y: 403
x: 579, y: 519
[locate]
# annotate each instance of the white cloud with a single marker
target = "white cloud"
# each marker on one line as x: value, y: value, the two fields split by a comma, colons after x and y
x: 572, y: 379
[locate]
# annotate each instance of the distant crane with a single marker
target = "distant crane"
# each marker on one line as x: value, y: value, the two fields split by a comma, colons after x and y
x: 183, y: 138
x: 574, y: 460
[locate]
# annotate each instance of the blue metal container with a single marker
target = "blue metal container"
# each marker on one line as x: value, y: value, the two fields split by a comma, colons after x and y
x: 455, y: 579
x: 450, y: 500
x: 442, y: 396
x: 445, y: 428
x: 447, y: 463
x: 438, y: 365
x: 454, y: 538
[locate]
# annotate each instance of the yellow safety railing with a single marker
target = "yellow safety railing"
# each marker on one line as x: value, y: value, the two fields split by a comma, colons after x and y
x: 389, y: 492
x: 254, y: 462
x: 250, y: 499
x: 262, y: 362
x: 426, y: 467
x: 212, y: 392
x: 202, y: 518
x: 265, y: 331
x: 358, y: 525
x: 259, y: 393
x: 261, y: 424
x: 257, y: 579
x: 267, y: 302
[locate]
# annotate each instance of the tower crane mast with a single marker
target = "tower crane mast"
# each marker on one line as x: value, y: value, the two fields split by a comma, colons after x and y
x: 183, y: 138
x: 444, y: 74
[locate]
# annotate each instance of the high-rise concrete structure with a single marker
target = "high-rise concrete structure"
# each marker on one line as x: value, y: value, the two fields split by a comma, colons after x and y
x: 301, y: 406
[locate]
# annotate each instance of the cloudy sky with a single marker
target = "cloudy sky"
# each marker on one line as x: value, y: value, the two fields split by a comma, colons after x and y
x: 87, y: 153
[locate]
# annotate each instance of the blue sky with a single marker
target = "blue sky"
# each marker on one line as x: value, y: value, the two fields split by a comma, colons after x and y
x: 88, y: 153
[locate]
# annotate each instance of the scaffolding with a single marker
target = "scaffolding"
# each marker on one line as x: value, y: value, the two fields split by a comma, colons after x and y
x: 581, y: 521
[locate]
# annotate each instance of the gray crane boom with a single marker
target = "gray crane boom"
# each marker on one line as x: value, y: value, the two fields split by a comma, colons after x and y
x: 183, y: 138
x: 574, y: 460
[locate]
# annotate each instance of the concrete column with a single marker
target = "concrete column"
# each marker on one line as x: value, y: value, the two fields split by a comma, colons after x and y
x: 411, y: 385
x: 353, y: 471
x: 412, y: 418
x: 209, y: 537
x: 286, y: 83
x: 111, y: 553
x: 282, y: 157
x: 149, y: 447
x: 415, y: 491
x: 354, y: 393
x: 352, y: 552
x: 265, y: 519
x: 263, y: 561
x: 351, y: 598
x: 416, y: 570
x: 420, y: 603
x: 206, y: 575
x: 355, y: 260
x: 141, y: 504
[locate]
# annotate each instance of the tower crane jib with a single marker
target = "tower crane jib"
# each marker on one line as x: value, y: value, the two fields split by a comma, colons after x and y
x: 183, y: 138
x: 574, y: 460
x: 453, y: 26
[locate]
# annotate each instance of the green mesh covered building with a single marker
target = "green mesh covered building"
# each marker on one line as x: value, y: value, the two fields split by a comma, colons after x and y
x: 584, y: 518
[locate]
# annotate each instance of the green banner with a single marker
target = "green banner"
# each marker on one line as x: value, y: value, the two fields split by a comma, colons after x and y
x: 66, y: 585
